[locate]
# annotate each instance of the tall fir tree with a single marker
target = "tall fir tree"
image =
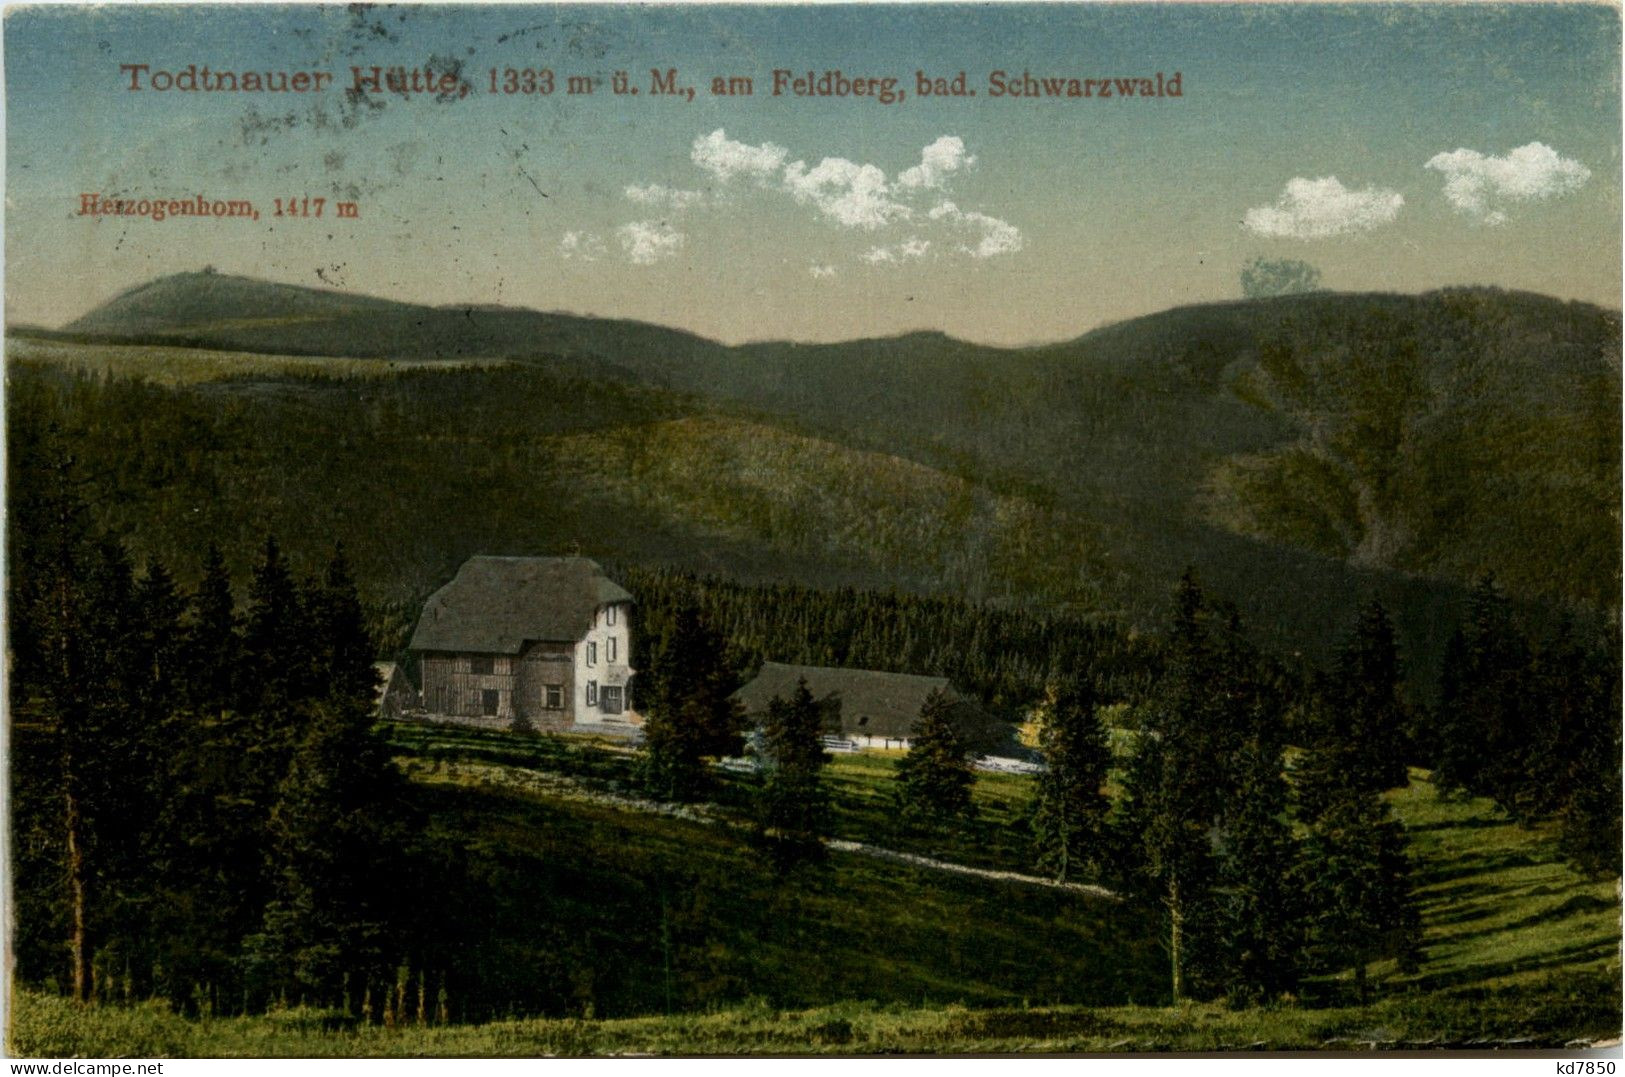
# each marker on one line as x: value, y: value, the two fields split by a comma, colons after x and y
x: 1174, y: 785
x: 1354, y: 877
x: 212, y: 640
x: 1070, y: 805
x: 794, y: 805
x: 338, y: 852
x: 1483, y: 725
x: 342, y: 650
x: 1589, y: 816
x: 1365, y: 709
x: 689, y: 713
x: 277, y: 644
x: 1259, y: 915
x: 935, y: 779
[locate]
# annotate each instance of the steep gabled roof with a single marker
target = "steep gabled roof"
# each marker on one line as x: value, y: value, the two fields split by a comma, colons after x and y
x: 873, y: 703
x: 495, y: 605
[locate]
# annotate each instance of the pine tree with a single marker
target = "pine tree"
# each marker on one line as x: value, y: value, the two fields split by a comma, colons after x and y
x: 339, y: 853
x: 1483, y: 724
x: 935, y: 779
x: 276, y: 644
x: 1355, y: 878
x: 1589, y: 817
x: 1364, y: 709
x: 1070, y: 805
x: 1259, y: 914
x: 342, y: 650
x: 1198, y: 815
x: 1175, y: 782
x: 672, y: 766
x: 212, y: 640
x: 689, y: 713
x: 53, y: 695
x: 158, y: 643
x: 794, y: 806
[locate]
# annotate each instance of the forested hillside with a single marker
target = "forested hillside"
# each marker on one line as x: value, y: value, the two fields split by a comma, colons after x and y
x: 1302, y: 452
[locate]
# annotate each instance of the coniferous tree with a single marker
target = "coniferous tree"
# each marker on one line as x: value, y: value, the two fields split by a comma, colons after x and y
x: 689, y: 713
x: 1484, y: 716
x: 1364, y: 711
x: 338, y: 856
x: 159, y: 608
x: 53, y: 698
x: 212, y: 640
x: 1070, y: 804
x: 1174, y: 786
x: 276, y: 645
x: 794, y: 805
x: 935, y: 779
x: 342, y: 650
x: 1259, y: 914
x: 1355, y: 877
x: 1589, y: 817
x: 672, y: 766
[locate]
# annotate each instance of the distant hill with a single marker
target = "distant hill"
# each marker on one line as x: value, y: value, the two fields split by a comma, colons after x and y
x: 233, y: 313
x: 1302, y: 452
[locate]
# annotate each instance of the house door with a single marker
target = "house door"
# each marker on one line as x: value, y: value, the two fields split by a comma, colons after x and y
x: 490, y: 700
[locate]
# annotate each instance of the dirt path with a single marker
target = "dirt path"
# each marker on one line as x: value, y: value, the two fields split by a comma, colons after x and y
x: 881, y: 853
x: 565, y: 787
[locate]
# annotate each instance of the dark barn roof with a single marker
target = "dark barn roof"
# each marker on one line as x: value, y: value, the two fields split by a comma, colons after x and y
x: 873, y: 703
x: 495, y: 605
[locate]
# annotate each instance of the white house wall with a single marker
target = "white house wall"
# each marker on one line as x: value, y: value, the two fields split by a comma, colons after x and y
x: 602, y: 672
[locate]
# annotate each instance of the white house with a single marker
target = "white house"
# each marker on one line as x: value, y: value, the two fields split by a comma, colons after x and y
x: 544, y: 640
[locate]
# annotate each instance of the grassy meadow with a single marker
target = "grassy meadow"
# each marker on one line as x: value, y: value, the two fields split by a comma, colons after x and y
x: 694, y: 945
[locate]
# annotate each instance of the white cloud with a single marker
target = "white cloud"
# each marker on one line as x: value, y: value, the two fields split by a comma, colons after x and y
x: 851, y: 194
x: 821, y: 272
x: 910, y: 250
x: 1484, y: 187
x: 942, y: 158
x: 848, y: 193
x: 1322, y: 208
x: 587, y: 246
x: 647, y: 242
x: 725, y: 159
x: 654, y: 194
x: 997, y: 236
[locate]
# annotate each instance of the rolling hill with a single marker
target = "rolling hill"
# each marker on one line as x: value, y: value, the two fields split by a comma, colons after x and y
x: 1302, y: 453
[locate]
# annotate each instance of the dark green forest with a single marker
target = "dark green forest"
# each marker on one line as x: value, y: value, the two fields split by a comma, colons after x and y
x: 1248, y: 565
x: 1300, y: 452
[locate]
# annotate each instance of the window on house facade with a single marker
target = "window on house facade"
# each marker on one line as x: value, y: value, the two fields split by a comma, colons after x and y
x: 609, y: 615
x: 483, y: 664
x: 592, y: 693
x: 490, y: 702
x: 609, y: 646
x: 553, y: 697
x: 592, y: 653
x: 612, y: 699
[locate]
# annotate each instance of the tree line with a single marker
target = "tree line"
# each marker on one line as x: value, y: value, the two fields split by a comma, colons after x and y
x: 202, y: 810
x: 1247, y: 803
x: 1001, y: 656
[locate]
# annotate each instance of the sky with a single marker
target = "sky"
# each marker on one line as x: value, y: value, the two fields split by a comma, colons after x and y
x: 1392, y: 147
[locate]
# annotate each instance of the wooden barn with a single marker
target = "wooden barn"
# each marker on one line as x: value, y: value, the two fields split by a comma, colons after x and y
x: 543, y: 641
x: 870, y: 708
